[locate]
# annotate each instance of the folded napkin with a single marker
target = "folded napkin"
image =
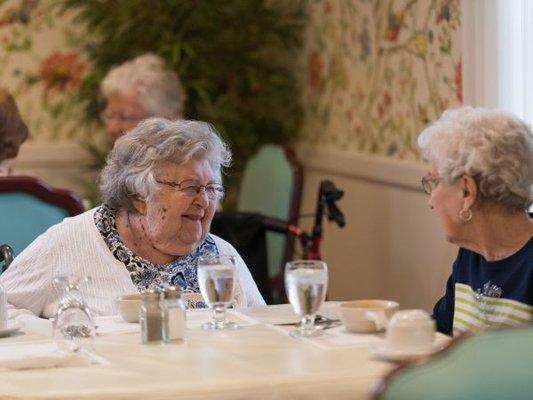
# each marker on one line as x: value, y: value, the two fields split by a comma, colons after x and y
x: 281, y: 314
x: 114, y: 325
x: 338, y: 337
x: 35, y: 355
x: 197, y: 317
x: 33, y: 324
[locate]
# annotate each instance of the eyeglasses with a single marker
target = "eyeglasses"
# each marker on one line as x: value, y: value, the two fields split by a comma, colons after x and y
x: 191, y: 188
x: 429, y: 183
x: 107, y: 116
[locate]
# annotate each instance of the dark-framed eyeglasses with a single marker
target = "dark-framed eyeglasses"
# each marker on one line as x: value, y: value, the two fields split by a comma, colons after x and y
x: 191, y: 188
x: 429, y: 183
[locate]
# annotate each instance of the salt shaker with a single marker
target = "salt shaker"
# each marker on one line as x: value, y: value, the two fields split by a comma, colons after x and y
x: 173, y: 314
x: 151, y: 317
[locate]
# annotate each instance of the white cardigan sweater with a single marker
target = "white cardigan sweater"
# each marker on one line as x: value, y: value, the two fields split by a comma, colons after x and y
x: 75, y: 247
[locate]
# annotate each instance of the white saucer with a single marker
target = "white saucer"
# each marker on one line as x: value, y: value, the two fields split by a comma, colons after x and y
x: 12, y: 327
x: 382, y: 352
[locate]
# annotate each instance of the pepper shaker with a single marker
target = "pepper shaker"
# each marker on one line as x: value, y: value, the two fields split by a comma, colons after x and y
x: 173, y: 315
x: 151, y: 317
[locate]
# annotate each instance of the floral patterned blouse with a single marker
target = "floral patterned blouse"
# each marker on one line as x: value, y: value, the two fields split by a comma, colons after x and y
x: 146, y: 275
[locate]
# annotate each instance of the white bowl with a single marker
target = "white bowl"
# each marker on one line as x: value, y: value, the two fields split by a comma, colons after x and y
x: 128, y: 306
x: 361, y: 315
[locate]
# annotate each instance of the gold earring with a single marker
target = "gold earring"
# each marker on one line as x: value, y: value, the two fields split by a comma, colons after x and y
x: 467, y: 217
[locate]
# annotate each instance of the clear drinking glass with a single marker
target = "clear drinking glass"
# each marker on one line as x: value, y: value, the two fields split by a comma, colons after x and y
x: 73, y: 322
x: 306, y: 283
x: 216, y: 277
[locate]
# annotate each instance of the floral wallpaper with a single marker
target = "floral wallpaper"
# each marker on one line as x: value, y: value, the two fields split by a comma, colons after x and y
x: 41, y: 63
x: 378, y: 71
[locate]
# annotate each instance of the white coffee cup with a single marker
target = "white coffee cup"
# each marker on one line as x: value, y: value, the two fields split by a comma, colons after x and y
x: 363, y: 316
x: 128, y: 306
x: 410, y: 331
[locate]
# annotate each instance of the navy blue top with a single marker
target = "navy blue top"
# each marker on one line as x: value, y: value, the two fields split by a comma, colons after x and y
x: 512, y: 277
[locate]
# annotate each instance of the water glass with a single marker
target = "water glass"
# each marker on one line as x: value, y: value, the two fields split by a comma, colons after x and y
x: 73, y: 322
x: 216, y: 277
x: 306, y: 283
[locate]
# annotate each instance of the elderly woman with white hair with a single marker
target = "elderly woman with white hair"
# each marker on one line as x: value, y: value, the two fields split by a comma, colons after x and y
x: 160, y: 188
x: 480, y: 185
x: 140, y: 89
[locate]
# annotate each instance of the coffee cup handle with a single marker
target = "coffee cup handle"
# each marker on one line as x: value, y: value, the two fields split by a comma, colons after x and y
x: 378, y: 318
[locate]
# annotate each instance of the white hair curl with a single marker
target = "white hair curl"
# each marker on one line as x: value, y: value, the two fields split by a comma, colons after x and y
x: 494, y: 147
x: 129, y: 172
x: 159, y: 89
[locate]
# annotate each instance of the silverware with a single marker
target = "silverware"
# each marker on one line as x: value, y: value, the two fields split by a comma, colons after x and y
x: 320, y: 321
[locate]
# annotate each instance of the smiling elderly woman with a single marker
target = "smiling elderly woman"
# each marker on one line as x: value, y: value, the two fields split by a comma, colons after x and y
x: 160, y: 189
x: 480, y: 185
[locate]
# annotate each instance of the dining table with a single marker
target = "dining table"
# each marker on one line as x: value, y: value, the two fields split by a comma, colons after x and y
x: 259, y: 360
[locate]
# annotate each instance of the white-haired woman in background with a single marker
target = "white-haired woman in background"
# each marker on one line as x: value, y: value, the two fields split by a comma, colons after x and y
x: 160, y: 189
x: 480, y: 185
x: 140, y: 89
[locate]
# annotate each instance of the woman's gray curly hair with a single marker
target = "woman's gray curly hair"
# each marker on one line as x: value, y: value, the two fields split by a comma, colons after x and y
x: 492, y: 146
x: 129, y: 172
x: 158, y: 88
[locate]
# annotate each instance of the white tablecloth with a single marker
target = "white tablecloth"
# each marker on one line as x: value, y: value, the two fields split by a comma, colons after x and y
x: 254, y: 362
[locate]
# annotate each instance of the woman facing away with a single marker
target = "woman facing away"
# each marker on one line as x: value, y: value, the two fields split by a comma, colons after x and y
x: 160, y: 188
x: 480, y: 185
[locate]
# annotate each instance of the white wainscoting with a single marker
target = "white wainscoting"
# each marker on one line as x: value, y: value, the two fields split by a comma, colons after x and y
x: 393, y: 245
x: 60, y: 164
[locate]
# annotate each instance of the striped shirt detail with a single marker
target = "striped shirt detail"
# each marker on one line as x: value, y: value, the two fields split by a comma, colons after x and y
x: 474, y: 314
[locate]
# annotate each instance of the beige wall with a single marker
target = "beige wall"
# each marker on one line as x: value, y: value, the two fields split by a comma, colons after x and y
x: 60, y: 164
x: 376, y: 74
x: 392, y: 246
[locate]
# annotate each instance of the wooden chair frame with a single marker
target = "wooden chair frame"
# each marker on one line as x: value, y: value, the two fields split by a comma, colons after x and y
x: 62, y: 198
x: 277, y: 282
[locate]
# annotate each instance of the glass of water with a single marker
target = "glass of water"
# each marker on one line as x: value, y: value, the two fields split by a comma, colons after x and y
x: 216, y: 277
x: 73, y: 322
x: 306, y: 283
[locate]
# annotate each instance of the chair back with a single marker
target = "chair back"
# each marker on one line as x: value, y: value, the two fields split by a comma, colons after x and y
x: 272, y: 186
x: 492, y: 365
x: 28, y: 207
x: 247, y: 233
x: 6, y: 256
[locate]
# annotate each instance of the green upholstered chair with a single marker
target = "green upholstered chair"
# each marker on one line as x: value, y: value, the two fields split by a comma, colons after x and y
x: 28, y: 207
x: 493, y: 365
x: 272, y: 186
